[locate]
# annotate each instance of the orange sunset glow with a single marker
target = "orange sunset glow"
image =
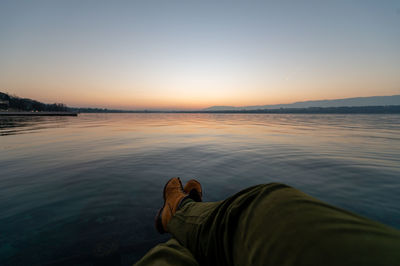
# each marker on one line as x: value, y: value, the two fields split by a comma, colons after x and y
x: 193, y: 56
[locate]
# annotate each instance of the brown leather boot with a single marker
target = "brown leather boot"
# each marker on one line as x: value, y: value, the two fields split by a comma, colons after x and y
x: 173, y: 196
x: 194, y: 190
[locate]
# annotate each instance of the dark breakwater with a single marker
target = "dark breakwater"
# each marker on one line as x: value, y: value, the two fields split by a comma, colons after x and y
x: 38, y: 114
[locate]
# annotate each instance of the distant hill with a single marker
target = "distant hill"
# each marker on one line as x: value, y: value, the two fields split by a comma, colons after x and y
x: 14, y: 103
x: 347, y: 102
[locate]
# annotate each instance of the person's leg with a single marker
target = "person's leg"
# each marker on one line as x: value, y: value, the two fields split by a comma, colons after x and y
x: 170, y: 253
x: 278, y: 225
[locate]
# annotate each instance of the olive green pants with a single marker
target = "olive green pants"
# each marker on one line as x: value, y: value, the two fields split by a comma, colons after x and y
x: 273, y: 225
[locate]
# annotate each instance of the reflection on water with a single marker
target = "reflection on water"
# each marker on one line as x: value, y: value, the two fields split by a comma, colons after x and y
x: 11, y: 125
x: 73, y: 186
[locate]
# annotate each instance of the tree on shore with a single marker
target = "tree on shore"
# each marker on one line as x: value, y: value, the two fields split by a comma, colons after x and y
x: 25, y: 104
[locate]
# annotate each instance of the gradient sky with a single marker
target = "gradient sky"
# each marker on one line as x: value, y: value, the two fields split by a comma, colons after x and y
x: 195, y: 54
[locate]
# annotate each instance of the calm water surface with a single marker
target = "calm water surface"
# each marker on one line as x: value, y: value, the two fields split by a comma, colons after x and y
x: 71, y: 186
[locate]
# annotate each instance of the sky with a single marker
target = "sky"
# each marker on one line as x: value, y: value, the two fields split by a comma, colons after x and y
x: 195, y: 54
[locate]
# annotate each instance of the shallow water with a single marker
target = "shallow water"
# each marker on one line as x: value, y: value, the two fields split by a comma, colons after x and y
x: 71, y: 186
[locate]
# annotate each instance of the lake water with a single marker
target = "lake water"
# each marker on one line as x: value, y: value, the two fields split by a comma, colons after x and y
x: 74, y: 187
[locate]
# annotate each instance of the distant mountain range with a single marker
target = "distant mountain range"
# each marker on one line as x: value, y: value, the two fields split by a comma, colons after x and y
x: 347, y: 102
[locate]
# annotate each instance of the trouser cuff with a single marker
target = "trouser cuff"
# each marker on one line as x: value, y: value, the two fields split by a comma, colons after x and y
x: 184, y: 202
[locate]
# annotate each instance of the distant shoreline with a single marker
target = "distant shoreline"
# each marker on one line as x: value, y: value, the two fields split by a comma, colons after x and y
x: 17, y: 106
x: 392, y: 109
x: 38, y: 114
